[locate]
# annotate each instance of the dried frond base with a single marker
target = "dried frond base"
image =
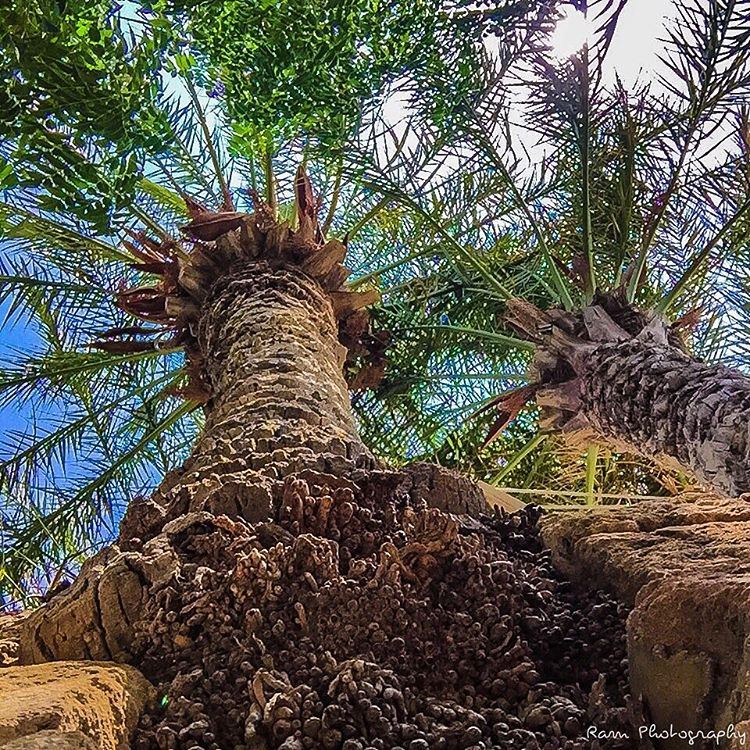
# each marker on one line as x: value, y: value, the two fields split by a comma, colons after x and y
x: 356, y: 617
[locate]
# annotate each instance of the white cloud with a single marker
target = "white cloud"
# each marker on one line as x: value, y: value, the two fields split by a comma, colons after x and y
x: 637, y: 41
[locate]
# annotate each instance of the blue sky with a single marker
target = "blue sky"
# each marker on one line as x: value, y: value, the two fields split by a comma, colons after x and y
x: 15, y: 334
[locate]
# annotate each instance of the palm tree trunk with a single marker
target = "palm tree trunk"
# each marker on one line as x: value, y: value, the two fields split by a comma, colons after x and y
x: 619, y: 375
x: 279, y: 439
x: 280, y: 404
x: 279, y: 407
x: 660, y: 401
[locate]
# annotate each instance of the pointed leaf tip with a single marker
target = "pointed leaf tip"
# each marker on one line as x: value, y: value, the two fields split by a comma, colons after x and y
x: 508, y: 405
x: 195, y: 209
x: 306, y: 205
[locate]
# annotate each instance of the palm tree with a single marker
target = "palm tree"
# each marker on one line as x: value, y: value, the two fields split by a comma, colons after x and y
x: 446, y: 352
x: 610, y: 369
x: 615, y: 374
x: 77, y: 180
x: 260, y: 304
x: 259, y: 584
x: 635, y: 204
x: 268, y: 325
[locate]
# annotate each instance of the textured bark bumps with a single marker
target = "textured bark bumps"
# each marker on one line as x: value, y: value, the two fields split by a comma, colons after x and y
x: 184, y: 273
x: 357, y: 617
x: 279, y: 404
x: 662, y: 401
x: 611, y: 372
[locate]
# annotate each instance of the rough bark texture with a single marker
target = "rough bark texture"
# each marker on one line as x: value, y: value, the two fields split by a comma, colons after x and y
x: 612, y: 373
x: 358, y: 619
x: 279, y: 404
x: 662, y: 401
x: 94, y: 618
x: 280, y: 409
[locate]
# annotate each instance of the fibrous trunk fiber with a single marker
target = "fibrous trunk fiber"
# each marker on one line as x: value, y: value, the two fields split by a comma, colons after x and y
x: 279, y: 405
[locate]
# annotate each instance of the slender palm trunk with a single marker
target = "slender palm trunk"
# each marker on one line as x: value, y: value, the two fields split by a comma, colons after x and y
x: 627, y: 378
x: 661, y: 401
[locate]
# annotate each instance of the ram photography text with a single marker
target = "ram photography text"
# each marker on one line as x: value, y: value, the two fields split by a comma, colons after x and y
x: 692, y: 737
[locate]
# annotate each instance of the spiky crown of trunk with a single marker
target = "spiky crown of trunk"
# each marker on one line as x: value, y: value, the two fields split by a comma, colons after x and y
x: 220, y: 241
x: 564, y: 343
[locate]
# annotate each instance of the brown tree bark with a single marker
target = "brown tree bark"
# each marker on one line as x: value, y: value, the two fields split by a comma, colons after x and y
x: 266, y: 338
x: 627, y: 378
x: 280, y: 405
x: 661, y: 401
